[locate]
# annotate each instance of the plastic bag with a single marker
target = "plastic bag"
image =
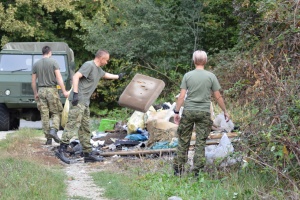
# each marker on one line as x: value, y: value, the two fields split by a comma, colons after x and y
x: 136, y: 121
x: 64, y: 114
x: 223, y: 149
x: 222, y: 124
x: 153, y: 114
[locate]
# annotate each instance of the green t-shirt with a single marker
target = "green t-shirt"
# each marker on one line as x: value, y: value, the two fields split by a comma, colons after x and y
x: 199, y: 85
x: 88, y: 83
x: 45, y: 72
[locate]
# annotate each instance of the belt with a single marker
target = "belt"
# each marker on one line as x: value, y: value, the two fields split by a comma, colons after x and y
x: 52, y: 86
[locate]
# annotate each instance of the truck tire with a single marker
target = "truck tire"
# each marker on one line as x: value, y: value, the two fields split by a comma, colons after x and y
x: 4, y: 118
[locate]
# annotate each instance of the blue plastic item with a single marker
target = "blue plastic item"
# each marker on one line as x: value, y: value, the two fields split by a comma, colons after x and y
x: 136, y: 137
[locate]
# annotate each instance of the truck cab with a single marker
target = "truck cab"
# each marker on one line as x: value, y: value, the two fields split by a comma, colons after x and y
x: 16, y: 95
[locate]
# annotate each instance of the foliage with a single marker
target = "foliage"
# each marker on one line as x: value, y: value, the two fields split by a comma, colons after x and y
x: 264, y: 74
x: 31, y: 21
x: 100, y: 111
x: 157, y: 38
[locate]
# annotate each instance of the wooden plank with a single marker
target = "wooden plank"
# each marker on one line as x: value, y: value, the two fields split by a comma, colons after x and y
x: 217, y: 141
x: 219, y: 135
x: 140, y: 152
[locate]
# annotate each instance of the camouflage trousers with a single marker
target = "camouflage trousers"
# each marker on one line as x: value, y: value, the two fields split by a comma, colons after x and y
x: 78, y: 124
x: 49, y: 105
x: 203, y: 123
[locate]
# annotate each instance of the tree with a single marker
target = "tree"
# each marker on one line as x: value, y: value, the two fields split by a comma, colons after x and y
x: 30, y: 20
x: 158, y: 37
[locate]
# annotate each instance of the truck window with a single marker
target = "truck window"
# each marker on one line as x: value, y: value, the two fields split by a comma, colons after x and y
x: 59, y: 58
x: 15, y: 62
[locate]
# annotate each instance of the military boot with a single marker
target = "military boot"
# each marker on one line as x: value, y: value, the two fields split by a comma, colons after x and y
x: 49, y: 141
x: 53, y: 134
x: 178, y: 171
x: 61, y: 153
x: 92, y: 157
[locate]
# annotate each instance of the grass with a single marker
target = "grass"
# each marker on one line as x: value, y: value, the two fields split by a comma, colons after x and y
x: 134, y: 183
x: 21, y: 179
x: 24, y: 174
x: 28, y: 174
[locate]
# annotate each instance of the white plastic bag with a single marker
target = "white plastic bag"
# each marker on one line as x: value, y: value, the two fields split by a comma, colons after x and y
x: 223, y: 149
x: 152, y: 114
x: 64, y: 114
x: 221, y: 123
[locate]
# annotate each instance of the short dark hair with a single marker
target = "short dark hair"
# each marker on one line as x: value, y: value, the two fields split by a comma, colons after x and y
x: 101, y: 53
x: 46, y: 50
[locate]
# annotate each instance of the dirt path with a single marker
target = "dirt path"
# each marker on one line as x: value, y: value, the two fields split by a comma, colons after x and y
x: 80, y: 183
x: 3, y: 134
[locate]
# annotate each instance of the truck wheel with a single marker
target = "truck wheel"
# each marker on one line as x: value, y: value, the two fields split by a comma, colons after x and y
x: 4, y: 118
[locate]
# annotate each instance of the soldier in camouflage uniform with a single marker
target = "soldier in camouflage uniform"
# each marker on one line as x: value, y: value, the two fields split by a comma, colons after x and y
x: 46, y: 72
x: 197, y: 86
x: 85, y: 82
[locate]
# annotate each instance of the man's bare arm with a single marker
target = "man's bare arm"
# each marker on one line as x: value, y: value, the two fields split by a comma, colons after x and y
x: 33, y: 86
x: 220, y: 101
x: 110, y: 76
x: 76, y: 78
x: 61, y: 82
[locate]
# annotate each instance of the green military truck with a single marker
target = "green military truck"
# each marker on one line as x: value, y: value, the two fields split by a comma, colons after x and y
x: 16, y: 95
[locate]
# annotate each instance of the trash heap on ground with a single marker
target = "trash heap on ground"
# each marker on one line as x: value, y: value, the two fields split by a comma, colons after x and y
x: 154, y: 132
x: 151, y: 129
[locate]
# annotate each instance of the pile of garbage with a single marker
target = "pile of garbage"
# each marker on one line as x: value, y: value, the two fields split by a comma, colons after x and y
x: 154, y: 132
x: 151, y: 129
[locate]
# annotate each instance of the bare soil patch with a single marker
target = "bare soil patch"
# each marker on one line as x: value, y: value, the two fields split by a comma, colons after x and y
x: 35, y: 151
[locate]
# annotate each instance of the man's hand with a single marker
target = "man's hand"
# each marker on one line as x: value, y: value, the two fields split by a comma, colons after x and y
x: 176, y: 119
x: 66, y: 93
x: 36, y: 96
x: 121, y: 75
x: 227, y: 116
x: 75, y: 99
